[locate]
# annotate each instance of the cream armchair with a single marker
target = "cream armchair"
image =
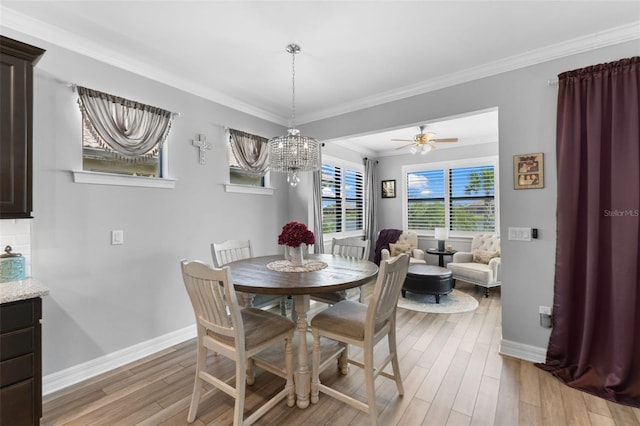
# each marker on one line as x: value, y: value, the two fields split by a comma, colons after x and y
x: 407, y: 243
x: 480, y: 266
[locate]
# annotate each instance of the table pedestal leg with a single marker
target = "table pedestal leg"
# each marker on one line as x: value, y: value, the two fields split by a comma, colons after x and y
x: 302, y: 373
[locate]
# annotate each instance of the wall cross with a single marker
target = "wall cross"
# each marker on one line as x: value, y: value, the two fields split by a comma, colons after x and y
x: 201, y: 143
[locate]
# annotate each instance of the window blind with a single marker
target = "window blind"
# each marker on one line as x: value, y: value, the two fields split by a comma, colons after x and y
x: 471, y: 200
x: 426, y: 199
x: 342, y: 199
x: 331, y: 198
x: 354, y: 200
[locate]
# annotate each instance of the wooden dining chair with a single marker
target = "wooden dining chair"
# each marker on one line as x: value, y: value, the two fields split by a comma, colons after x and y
x: 354, y: 247
x: 364, y: 326
x: 239, y: 334
x: 232, y: 250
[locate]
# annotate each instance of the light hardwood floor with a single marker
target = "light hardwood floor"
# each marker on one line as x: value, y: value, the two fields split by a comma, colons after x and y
x: 451, y: 369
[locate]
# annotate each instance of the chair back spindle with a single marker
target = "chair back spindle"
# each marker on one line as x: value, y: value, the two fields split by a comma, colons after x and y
x: 384, y: 300
x: 230, y: 251
x: 350, y: 247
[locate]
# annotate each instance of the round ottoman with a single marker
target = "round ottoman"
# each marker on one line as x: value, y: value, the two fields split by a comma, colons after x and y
x: 428, y: 279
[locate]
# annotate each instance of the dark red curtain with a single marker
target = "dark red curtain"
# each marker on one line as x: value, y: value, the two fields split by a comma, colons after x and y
x: 595, y: 341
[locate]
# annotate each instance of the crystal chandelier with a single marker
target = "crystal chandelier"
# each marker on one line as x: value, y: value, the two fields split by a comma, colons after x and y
x: 294, y: 153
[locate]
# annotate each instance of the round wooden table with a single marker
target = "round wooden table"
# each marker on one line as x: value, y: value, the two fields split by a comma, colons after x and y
x: 252, y: 276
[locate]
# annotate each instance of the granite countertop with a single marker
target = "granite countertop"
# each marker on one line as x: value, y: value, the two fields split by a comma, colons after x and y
x: 21, y: 290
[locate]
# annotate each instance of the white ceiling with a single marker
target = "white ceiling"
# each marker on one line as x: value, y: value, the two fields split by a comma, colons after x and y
x: 355, y: 54
x: 477, y: 128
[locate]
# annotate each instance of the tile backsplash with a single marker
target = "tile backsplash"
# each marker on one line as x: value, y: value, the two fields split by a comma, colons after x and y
x: 17, y: 234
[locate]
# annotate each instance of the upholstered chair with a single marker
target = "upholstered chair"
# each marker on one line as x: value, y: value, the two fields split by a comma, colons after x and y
x: 407, y: 243
x: 481, y: 265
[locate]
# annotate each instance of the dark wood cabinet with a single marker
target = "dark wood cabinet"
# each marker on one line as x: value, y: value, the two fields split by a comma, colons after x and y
x: 21, y: 362
x: 16, y: 121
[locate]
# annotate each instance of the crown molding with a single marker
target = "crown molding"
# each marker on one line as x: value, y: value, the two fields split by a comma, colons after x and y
x: 574, y: 46
x: 24, y: 24
x: 58, y: 36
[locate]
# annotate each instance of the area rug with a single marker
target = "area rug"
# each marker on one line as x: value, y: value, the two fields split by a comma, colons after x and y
x: 452, y: 303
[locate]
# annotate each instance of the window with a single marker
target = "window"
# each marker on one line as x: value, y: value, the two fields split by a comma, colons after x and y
x: 342, y: 198
x: 95, y: 158
x: 248, y: 156
x: 238, y: 176
x: 122, y: 136
x: 471, y: 201
x: 459, y: 197
x: 426, y: 199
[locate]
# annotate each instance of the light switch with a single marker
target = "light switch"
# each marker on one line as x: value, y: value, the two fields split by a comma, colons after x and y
x: 519, y: 234
x: 117, y: 237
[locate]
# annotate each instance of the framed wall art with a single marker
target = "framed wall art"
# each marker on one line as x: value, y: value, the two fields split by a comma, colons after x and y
x: 389, y: 188
x: 528, y: 171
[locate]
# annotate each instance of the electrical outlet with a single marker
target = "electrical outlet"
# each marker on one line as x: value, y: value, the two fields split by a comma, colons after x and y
x: 117, y: 237
x: 545, y: 316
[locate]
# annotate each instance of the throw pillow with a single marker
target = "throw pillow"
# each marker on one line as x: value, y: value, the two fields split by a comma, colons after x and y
x: 484, y: 256
x: 398, y: 248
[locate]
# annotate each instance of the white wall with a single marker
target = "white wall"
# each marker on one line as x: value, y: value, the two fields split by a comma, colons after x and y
x: 527, y: 117
x: 106, y: 298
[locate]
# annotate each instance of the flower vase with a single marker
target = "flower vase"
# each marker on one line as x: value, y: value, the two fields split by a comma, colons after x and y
x: 296, y: 255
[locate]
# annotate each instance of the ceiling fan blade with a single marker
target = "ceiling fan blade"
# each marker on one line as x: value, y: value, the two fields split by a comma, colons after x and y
x: 403, y: 140
x: 445, y: 140
x: 404, y: 146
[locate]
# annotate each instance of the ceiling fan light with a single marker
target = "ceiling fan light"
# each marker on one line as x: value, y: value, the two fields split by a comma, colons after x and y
x: 413, y: 150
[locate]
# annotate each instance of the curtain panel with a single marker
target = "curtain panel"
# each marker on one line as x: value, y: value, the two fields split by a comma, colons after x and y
x: 129, y: 129
x: 251, y: 152
x: 370, y: 203
x: 317, y: 211
x: 595, y: 340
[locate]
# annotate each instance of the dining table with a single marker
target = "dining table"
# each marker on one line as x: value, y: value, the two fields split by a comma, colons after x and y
x: 321, y: 273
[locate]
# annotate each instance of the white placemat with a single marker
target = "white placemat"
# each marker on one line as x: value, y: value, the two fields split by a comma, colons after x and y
x: 287, y: 266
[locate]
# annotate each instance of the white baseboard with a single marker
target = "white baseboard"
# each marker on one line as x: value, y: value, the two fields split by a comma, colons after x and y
x: 522, y: 351
x: 72, y: 375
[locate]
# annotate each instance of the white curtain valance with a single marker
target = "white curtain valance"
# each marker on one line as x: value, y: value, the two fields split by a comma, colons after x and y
x: 131, y: 130
x: 251, y: 152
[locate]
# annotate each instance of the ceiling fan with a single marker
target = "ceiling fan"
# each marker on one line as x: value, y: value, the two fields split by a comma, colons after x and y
x: 423, y: 141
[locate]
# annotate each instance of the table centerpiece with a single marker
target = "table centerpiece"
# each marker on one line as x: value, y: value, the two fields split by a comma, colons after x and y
x: 295, y: 237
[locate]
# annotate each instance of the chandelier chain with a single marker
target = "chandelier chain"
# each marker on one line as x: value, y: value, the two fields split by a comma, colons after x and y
x: 293, y: 88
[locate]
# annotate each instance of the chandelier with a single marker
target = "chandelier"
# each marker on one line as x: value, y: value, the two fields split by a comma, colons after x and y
x: 294, y: 153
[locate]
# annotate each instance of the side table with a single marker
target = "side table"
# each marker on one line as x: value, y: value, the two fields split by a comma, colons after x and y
x: 441, y: 254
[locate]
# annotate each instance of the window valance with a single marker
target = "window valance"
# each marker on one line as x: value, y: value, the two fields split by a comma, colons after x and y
x: 251, y: 152
x: 131, y: 130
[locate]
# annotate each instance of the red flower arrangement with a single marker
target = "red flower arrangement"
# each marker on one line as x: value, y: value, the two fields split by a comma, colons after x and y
x: 296, y: 233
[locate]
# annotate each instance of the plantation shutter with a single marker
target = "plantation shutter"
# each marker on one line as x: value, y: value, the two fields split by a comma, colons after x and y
x: 471, y: 199
x: 354, y: 200
x: 331, y: 198
x: 426, y: 199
